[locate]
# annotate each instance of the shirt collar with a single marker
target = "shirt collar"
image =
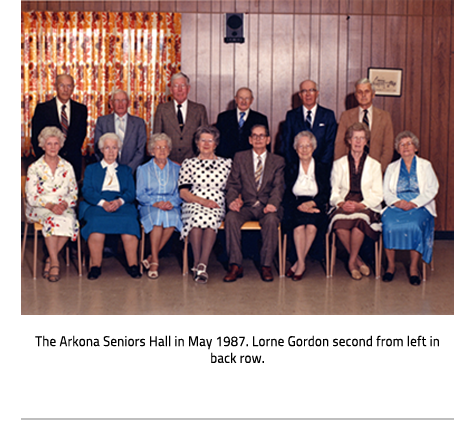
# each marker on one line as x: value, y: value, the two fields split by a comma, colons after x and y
x: 104, y: 164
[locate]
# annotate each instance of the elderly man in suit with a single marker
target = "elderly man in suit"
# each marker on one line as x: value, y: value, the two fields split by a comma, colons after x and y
x: 66, y: 114
x: 381, y: 145
x: 312, y: 117
x: 130, y: 129
x: 254, y: 191
x: 235, y: 125
x: 180, y: 118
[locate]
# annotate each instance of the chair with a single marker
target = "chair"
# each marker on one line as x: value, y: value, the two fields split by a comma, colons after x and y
x: 248, y: 225
x: 331, y: 254
x: 424, y: 269
x: 37, y: 227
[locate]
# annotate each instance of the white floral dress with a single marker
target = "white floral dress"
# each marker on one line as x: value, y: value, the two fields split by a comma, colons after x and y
x: 43, y: 187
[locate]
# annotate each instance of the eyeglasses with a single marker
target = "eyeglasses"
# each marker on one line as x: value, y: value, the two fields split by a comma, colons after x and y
x: 179, y: 86
x: 304, y: 147
x: 358, y: 139
x: 405, y: 144
x: 207, y: 140
x: 258, y: 136
x: 161, y: 147
x: 305, y: 91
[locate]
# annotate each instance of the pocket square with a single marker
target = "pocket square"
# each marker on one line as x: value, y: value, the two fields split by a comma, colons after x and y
x: 322, y: 124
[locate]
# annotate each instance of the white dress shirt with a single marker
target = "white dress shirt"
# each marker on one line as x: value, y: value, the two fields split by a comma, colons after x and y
x: 370, y: 115
x: 184, y: 108
x: 59, y: 105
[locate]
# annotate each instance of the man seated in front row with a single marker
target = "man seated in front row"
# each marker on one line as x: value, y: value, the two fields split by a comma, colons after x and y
x: 254, y: 189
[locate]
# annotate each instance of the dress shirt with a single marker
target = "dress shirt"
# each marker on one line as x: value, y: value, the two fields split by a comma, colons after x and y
x: 370, y: 115
x: 111, y: 182
x: 238, y: 114
x: 314, y: 112
x: 59, y: 105
x: 255, y: 160
x: 117, y: 122
x: 184, y: 108
x: 306, y: 184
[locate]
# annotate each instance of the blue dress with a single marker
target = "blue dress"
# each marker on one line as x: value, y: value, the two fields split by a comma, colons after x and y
x: 155, y: 185
x: 413, y: 229
x: 98, y: 220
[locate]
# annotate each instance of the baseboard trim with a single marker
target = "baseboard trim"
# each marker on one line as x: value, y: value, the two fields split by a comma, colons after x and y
x: 444, y: 235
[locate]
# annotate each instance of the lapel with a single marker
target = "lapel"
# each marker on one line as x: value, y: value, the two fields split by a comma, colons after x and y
x: 171, y: 115
x: 268, y: 172
x: 54, y: 111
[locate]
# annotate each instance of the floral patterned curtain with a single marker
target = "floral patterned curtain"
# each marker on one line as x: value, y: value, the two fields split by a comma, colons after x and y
x: 137, y: 52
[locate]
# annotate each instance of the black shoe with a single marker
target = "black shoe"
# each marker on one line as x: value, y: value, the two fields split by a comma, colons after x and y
x: 134, y: 271
x: 415, y: 280
x: 388, y: 277
x: 94, y: 273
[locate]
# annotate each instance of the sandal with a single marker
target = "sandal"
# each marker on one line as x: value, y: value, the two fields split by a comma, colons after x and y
x: 200, y: 275
x: 54, y: 277
x: 152, y: 274
x: 146, y: 263
x: 46, y: 272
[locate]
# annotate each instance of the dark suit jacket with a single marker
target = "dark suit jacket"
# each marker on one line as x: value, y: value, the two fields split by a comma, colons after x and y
x: 46, y: 114
x: 232, y: 138
x: 241, y: 180
x: 166, y: 121
x: 135, y: 139
x: 324, y: 129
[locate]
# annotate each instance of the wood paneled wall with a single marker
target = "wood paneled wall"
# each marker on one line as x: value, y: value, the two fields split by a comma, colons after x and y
x: 331, y: 41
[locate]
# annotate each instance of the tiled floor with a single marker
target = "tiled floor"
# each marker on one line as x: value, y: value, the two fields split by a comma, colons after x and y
x: 116, y: 293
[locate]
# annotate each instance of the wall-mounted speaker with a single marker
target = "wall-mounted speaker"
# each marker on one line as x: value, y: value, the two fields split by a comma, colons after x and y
x: 234, y: 28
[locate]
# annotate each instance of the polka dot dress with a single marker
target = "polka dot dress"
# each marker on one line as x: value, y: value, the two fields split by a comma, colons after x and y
x: 205, y: 178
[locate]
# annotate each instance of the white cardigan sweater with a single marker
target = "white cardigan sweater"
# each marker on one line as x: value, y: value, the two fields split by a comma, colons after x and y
x: 428, y: 184
x: 371, y: 183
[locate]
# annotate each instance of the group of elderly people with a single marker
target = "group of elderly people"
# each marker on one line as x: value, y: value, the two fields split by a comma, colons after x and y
x: 191, y: 199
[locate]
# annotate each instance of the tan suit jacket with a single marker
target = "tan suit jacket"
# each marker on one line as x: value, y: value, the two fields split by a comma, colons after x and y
x: 166, y: 121
x: 381, y: 146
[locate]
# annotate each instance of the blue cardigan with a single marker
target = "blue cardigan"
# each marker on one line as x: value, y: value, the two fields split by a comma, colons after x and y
x: 94, y: 180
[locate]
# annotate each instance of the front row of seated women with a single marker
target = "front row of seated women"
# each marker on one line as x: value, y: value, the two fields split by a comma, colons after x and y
x: 190, y: 199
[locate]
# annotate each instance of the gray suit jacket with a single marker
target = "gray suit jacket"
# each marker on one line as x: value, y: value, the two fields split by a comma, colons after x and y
x: 135, y: 139
x: 166, y: 121
x: 241, y: 180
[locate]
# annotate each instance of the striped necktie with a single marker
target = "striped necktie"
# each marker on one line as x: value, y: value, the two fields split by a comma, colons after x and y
x: 258, y: 173
x: 241, y: 119
x: 64, y: 121
x: 365, y: 117
x: 121, y: 129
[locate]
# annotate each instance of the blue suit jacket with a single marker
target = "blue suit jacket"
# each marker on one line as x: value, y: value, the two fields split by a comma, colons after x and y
x: 324, y: 129
x: 135, y: 139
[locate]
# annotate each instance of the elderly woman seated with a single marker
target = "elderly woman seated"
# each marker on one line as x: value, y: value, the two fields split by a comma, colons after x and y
x: 307, y: 193
x: 410, y: 186
x: 108, y: 207
x: 51, y: 195
x: 356, y: 195
x: 159, y: 199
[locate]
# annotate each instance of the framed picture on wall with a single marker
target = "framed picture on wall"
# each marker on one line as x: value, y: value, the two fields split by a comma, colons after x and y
x: 386, y: 81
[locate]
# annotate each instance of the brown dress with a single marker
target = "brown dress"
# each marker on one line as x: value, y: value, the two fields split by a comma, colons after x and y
x: 363, y: 220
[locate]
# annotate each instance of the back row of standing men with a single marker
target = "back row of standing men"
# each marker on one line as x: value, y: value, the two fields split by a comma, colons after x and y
x: 180, y: 118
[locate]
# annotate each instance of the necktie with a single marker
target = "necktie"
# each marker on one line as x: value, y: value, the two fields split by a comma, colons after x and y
x: 241, y: 119
x: 64, y: 121
x: 179, y: 116
x: 258, y: 172
x: 308, y: 121
x: 121, y: 129
x: 366, y: 121
x: 365, y: 117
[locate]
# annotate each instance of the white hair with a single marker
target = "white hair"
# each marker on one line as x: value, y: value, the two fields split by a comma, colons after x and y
x: 49, y: 132
x: 109, y: 136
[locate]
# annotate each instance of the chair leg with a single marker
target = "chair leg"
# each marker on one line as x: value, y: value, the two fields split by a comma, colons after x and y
x: 333, y: 254
x: 185, y: 256
x: 284, y: 259
x: 35, y: 253
x: 327, y: 253
x: 377, y: 258
x: 23, y: 247
x: 79, y: 254
x: 424, y: 271
x: 142, y: 250
x: 280, y: 254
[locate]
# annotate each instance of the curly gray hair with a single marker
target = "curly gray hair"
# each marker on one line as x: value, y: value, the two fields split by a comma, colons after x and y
x: 49, y: 132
